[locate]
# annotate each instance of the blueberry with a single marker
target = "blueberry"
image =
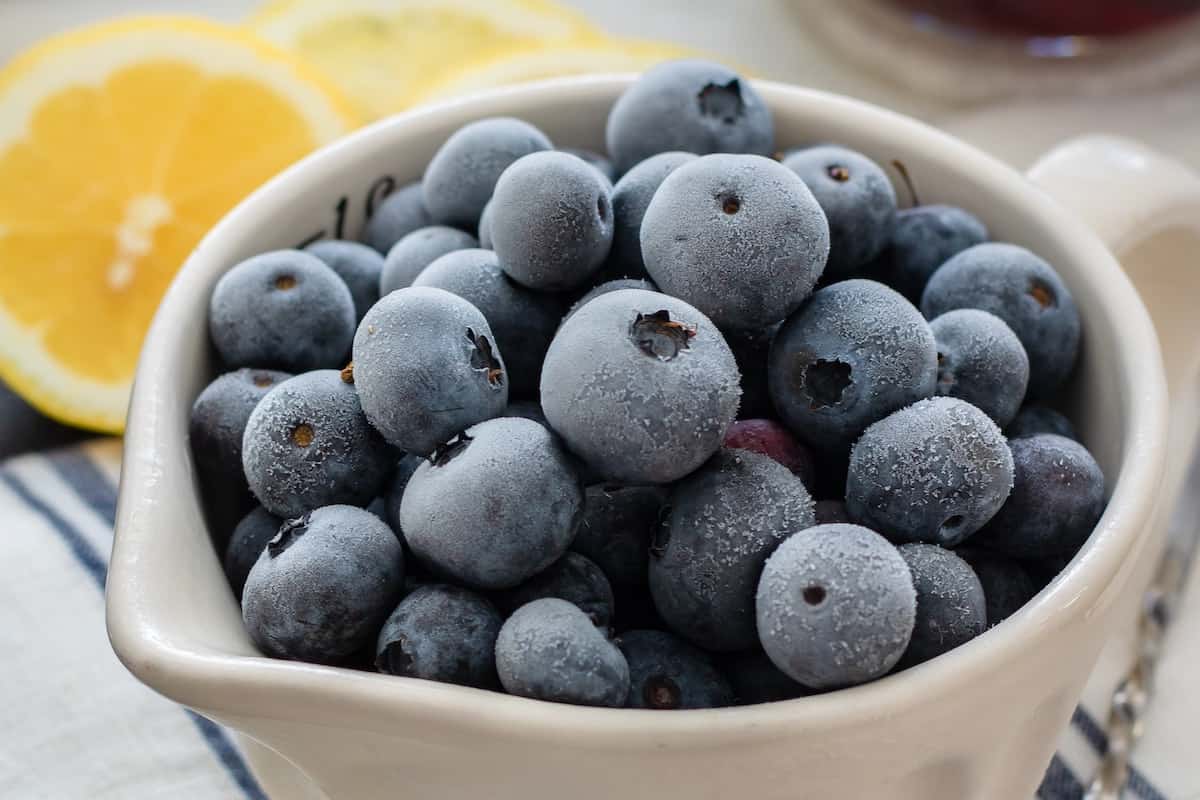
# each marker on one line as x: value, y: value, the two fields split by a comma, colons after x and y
x: 641, y: 386
x: 426, y: 365
x: 610, y: 286
x: 667, y: 673
x: 494, y: 506
x: 1056, y: 501
x: 751, y: 349
x: 552, y: 223
x: 485, y: 226
x: 755, y: 679
x: 836, y: 606
x: 980, y: 360
x: 307, y: 445
x: 725, y: 519
x: 284, y: 310
x: 441, y: 633
x: 689, y: 105
x: 394, y: 493
x: 218, y: 423
x: 356, y: 264
x: 630, y: 198
x: 1006, y: 584
x: 829, y: 511
x: 933, y: 472
x: 401, y: 213
x: 923, y: 239
x: 463, y: 173
x: 768, y: 437
x: 418, y: 250
x: 856, y: 352
x: 550, y: 650
x: 1024, y: 291
x: 323, y: 586
x: 524, y: 321
x: 739, y: 237
x: 951, y: 609
x: 598, y: 162
x: 249, y: 538
x: 618, y: 525
x: 1034, y: 419
x: 574, y: 578
x: 858, y: 201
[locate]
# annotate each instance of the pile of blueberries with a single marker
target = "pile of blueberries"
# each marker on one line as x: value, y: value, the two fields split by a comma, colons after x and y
x: 560, y: 436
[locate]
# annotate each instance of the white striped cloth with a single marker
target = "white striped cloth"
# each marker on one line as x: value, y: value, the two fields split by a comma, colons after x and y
x: 77, y: 725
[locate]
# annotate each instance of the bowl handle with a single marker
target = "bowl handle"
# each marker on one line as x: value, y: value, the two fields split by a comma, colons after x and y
x: 1146, y: 207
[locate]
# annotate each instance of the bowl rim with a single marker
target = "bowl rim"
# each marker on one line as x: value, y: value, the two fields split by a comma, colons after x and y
x: 235, y: 686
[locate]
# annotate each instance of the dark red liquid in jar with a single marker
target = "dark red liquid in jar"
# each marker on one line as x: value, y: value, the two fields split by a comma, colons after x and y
x: 1054, y: 17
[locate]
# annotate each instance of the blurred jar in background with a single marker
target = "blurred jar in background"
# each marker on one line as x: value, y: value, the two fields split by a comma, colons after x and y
x: 973, y: 51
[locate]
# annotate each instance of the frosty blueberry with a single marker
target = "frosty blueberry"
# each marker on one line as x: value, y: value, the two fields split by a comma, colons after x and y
x: 356, y: 264
x: 951, y: 609
x: 667, y: 673
x: 418, y: 250
x: 400, y: 213
x: 426, y: 365
x: 980, y: 360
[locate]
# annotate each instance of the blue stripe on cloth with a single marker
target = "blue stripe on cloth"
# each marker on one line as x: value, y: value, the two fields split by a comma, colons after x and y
x: 1059, y: 782
x: 1138, y: 783
x: 95, y: 490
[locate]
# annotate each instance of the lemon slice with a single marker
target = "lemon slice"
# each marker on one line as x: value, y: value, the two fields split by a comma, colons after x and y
x: 120, y: 145
x: 383, y: 52
x: 578, y: 58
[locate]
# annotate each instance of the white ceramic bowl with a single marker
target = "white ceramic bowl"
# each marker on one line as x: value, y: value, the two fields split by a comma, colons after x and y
x: 979, y: 722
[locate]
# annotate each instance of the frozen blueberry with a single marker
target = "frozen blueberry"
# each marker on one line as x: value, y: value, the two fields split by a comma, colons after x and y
x: 599, y: 162
x: 923, y: 239
x: 1056, y: 501
x: 690, y: 105
x: 441, y: 633
x: 1006, y: 584
x: 768, y: 437
x: 667, y: 673
x: 418, y: 250
x: 751, y: 349
x: 356, y: 264
x: 307, y: 445
x: 495, y: 505
x: 574, y: 578
x: 552, y: 222
x: 249, y: 538
x: 1024, y: 291
x: 401, y: 213
x: 829, y: 511
x: 724, y: 520
x: 218, y: 422
x: 485, y: 226
x: 739, y: 237
x: 755, y: 679
x: 1034, y: 419
x: 426, y: 365
x: 951, y: 609
x: 836, y: 606
x: 630, y: 198
x: 395, y: 490
x: 323, y: 586
x: 550, y: 650
x: 641, y: 386
x: 284, y: 310
x: 618, y: 525
x: 980, y: 360
x: 856, y: 352
x: 524, y: 321
x: 858, y: 201
x: 933, y: 472
x: 463, y: 173
x: 610, y: 286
